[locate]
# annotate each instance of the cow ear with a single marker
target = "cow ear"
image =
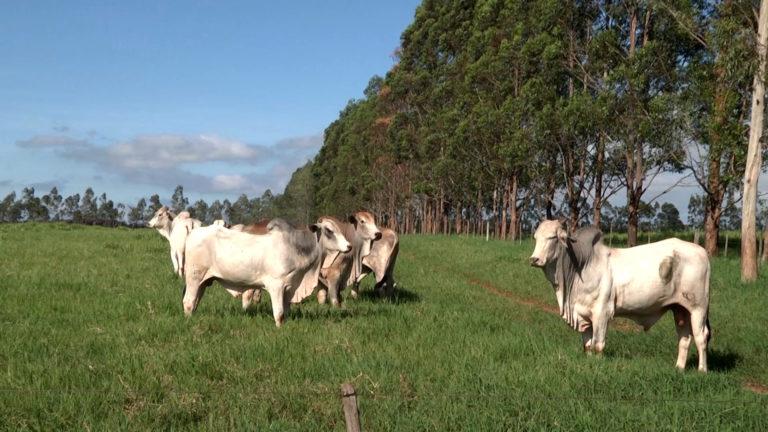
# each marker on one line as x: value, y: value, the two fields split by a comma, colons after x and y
x: 317, y: 229
x: 563, y: 237
x: 353, y: 220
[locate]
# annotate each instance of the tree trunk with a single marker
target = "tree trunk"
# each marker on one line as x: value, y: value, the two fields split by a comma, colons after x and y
x: 714, y: 206
x: 504, y: 206
x: 513, y: 216
x: 765, y: 244
x: 495, y: 210
x: 631, y: 221
x: 633, y: 153
x: 599, y: 164
x: 711, y: 231
x: 752, y: 172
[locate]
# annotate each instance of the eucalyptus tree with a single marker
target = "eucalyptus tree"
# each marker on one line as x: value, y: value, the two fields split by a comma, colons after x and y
x: 179, y: 202
x: 717, y: 99
x: 648, y: 55
x: 754, y: 152
x: 52, y: 202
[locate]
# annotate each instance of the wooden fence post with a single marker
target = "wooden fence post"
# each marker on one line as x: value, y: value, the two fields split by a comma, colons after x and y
x: 696, y: 236
x: 725, y: 253
x: 349, y: 402
x: 487, y: 230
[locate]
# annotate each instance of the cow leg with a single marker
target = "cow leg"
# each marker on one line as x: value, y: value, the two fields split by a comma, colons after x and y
x: 700, y: 335
x: 174, y: 262
x: 251, y: 296
x: 276, y: 290
x: 354, y: 290
x: 193, y: 292
x: 333, y: 293
x: 586, y: 340
x: 247, y: 296
x: 683, y: 328
x: 180, y: 264
x: 322, y: 294
x: 599, y: 328
x: 390, y: 285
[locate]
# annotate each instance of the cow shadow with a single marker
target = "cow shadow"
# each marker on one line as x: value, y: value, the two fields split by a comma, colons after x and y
x: 718, y: 361
x: 400, y: 296
x: 310, y: 310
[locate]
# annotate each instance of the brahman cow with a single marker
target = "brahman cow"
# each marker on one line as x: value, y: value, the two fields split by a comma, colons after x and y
x: 285, y: 262
x: 342, y: 269
x: 252, y: 295
x: 175, y: 229
x: 381, y: 262
x: 594, y: 283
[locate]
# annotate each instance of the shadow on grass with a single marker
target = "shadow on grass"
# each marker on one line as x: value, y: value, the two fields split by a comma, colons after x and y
x: 309, y: 310
x: 400, y: 296
x: 718, y: 361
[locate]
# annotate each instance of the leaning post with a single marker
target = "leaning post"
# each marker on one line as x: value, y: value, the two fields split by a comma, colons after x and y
x: 349, y: 403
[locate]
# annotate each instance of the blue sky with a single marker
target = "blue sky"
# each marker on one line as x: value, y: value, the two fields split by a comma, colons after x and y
x: 132, y: 98
x: 223, y: 97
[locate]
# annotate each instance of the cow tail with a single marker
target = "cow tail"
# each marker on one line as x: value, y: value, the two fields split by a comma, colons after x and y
x: 709, y: 328
x: 184, y: 251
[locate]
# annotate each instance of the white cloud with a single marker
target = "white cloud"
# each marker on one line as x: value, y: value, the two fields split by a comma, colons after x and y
x: 43, y: 141
x: 227, y: 182
x: 166, y: 159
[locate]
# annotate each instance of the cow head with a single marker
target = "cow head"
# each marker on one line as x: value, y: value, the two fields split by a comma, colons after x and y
x: 330, y: 236
x: 549, y: 236
x: 162, y: 218
x: 365, y: 225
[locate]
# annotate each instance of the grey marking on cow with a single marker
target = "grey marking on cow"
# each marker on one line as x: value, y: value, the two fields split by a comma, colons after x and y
x: 304, y: 241
x: 573, y: 258
x: 666, y: 269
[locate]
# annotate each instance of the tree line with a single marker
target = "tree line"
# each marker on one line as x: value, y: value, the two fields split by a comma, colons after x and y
x: 499, y: 112
x: 92, y: 209
x: 504, y: 111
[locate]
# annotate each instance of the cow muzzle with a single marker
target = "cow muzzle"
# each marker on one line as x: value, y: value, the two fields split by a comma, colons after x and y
x: 348, y: 249
x: 377, y: 236
x: 536, y: 262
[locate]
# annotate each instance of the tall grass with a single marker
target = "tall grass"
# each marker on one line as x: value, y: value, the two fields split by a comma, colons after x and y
x: 93, y: 338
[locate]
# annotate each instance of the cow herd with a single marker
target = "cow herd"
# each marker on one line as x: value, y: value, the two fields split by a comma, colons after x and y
x: 592, y: 282
x: 286, y: 261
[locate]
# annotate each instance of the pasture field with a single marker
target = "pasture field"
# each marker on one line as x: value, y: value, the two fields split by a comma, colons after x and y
x: 93, y: 338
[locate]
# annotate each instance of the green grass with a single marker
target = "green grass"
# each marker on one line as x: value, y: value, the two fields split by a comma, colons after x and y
x: 94, y: 338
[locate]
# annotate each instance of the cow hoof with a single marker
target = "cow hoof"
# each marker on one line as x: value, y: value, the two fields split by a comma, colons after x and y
x: 353, y: 294
x: 335, y: 303
x: 321, y: 297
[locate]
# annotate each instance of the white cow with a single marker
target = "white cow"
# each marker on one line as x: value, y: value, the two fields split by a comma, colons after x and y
x: 381, y: 262
x: 175, y: 229
x: 285, y: 261
x: 343, y: 269
x: 594, y: 283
